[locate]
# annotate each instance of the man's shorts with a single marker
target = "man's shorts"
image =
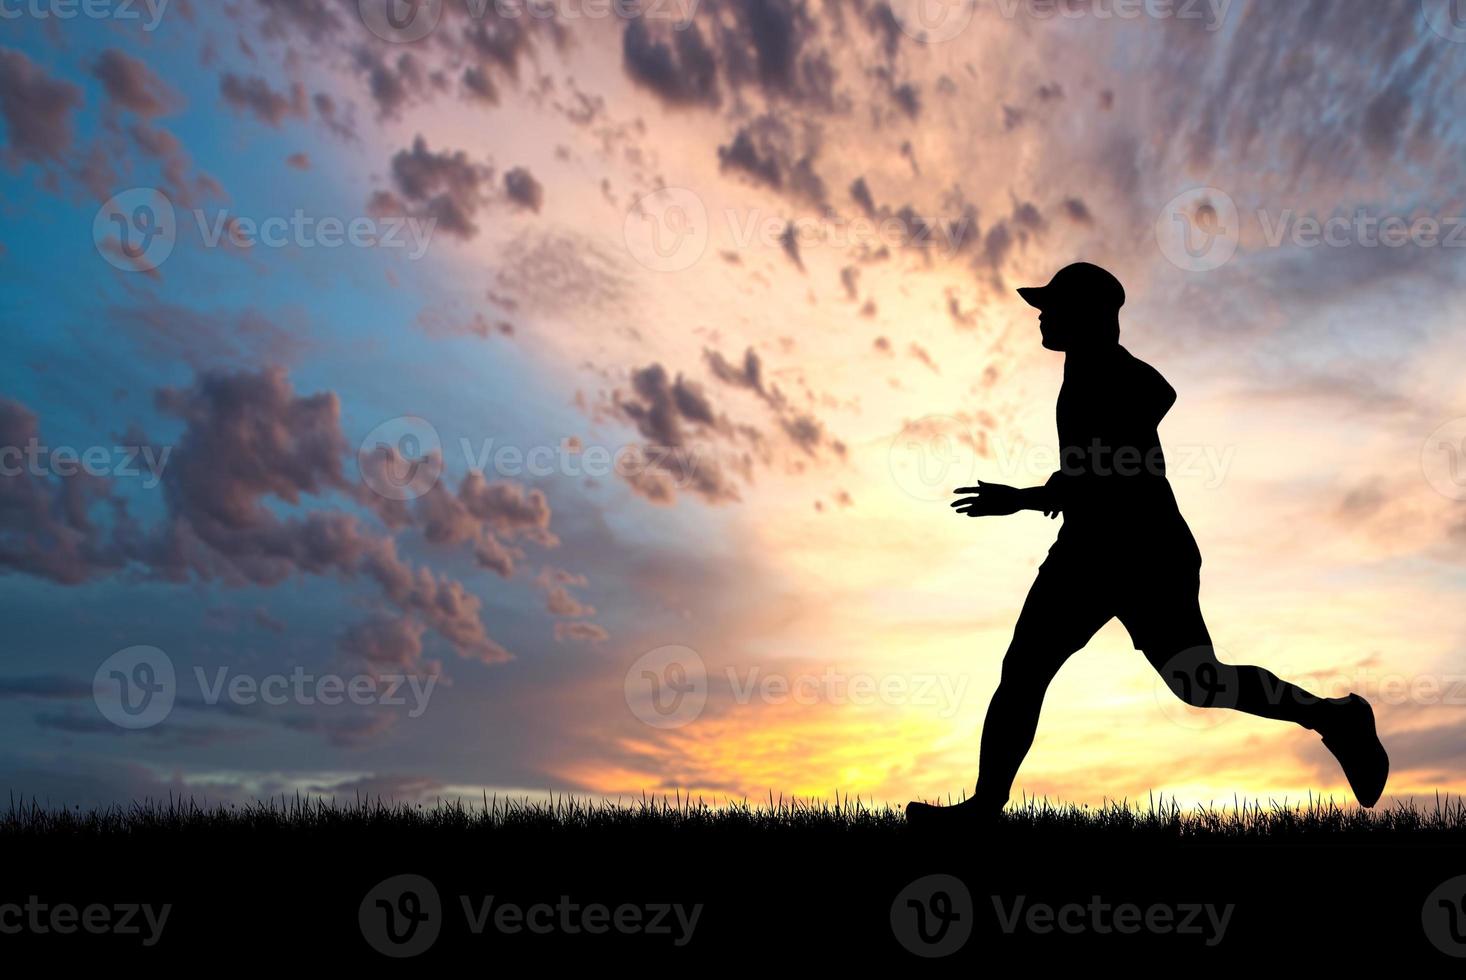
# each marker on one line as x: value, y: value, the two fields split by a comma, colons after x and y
x: 1073, y: 597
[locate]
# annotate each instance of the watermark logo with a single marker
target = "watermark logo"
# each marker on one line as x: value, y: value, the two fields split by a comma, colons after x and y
x: 933, y: 21
x: 138, y: 688
x: 932, y: 916
x: 1447, y: 18
x: 400, y: 21
x: 135, y: 688
x: 1194, y: 682
x: 931, y: 456
x: 1199, y: 230
x: 1443, y: 917
x: 1443, y: 459
x: 667, y: 230
x: 135, y: 231
x: 401, y: 916
x: 667, y: 687
x: 402, y: 458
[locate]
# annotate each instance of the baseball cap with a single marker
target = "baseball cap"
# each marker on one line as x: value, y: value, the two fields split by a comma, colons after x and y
x: 1080, y: 284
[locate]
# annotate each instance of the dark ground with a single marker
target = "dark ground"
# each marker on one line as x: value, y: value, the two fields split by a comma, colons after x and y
x: 288, y: 885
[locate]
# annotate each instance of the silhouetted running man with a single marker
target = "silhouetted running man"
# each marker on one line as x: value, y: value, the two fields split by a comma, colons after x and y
x: 1123, y: 551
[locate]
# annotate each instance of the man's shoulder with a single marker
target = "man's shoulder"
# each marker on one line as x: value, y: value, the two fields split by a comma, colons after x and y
x: 1136, y: 366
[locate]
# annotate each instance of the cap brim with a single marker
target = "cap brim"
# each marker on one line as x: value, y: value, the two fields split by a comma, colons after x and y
x: 1034, y: 296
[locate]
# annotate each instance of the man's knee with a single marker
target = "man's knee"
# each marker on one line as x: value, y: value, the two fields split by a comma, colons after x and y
x: 1197, y: 677
x: 1028, y: 665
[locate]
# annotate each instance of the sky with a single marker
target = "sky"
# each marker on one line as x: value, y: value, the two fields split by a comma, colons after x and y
x: 449, y: 399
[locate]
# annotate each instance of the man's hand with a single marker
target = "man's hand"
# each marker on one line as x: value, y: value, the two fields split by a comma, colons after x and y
x: 997, y: 500
x: 989, y: 500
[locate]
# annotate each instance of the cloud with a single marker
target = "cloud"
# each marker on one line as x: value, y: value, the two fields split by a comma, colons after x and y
x: 1077, y: 211
x: 36, y: 107
x: 47, y: 528
x: 748, y: 374
x: 341, y: 727
x: 523, y: 189
x: 289, y: 19
x: 392, y: 86
x: 681, y: 68
x: 173, y: 735
x: 443, y: 603
x: 581, y: 631
x: 447, y: 188
x: 389, y: 787
x: 385, y: 644
x: 770, y: 153
x: 670, y: 413
x: 250, y: 487
x: 248, y: 436
x: 45, y: 687
x: 255, y: 96
x: 337, y: 122
x: 183, y: 186
x: 556, y: 584
x: 130, y: 84
x: 205, y: 339
x: 486, y: 515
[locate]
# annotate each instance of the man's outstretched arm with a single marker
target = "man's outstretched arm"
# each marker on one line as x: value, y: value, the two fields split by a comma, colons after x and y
x: 997, y: 500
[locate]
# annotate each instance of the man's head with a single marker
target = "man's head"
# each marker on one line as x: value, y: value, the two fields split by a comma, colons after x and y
x: 1080, y: 307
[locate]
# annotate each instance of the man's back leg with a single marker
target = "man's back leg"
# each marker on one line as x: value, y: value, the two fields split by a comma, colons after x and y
x: 1167, y: 626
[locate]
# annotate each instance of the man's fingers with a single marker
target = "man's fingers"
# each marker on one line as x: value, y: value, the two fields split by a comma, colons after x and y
x: 968, y: 490
x: 964, y: 502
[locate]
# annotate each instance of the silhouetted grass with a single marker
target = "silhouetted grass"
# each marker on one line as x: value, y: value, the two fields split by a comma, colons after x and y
x: 302, y: 817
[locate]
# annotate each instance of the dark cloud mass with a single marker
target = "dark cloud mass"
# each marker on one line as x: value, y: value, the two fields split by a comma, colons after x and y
x: 249, y: 487
x: 682, y: 70
x: 255, y: 96
x: 446, y: 187
x: 37, y: 108
x: 130, y: 84
x: 771, y: 153
x: 523, y: 189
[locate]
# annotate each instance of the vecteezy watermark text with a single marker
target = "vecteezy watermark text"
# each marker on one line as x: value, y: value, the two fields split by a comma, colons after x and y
x: 933, y: 916
x: 40, y: 918
x: 1212, y: 13
x: 673, y: 920
x: 1205, y: 921
x: 125, y: 462
x: 1202, y: 229
x: 403, y: 916
x: 137, y: 230
x: 669, y: 230
x: 148, y: 11
x: 405, y: 21
x: 307, y: 689
x: 138, y: 687
x: 403, y: 459
x: 932, y: 455
x: 668, y: 687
